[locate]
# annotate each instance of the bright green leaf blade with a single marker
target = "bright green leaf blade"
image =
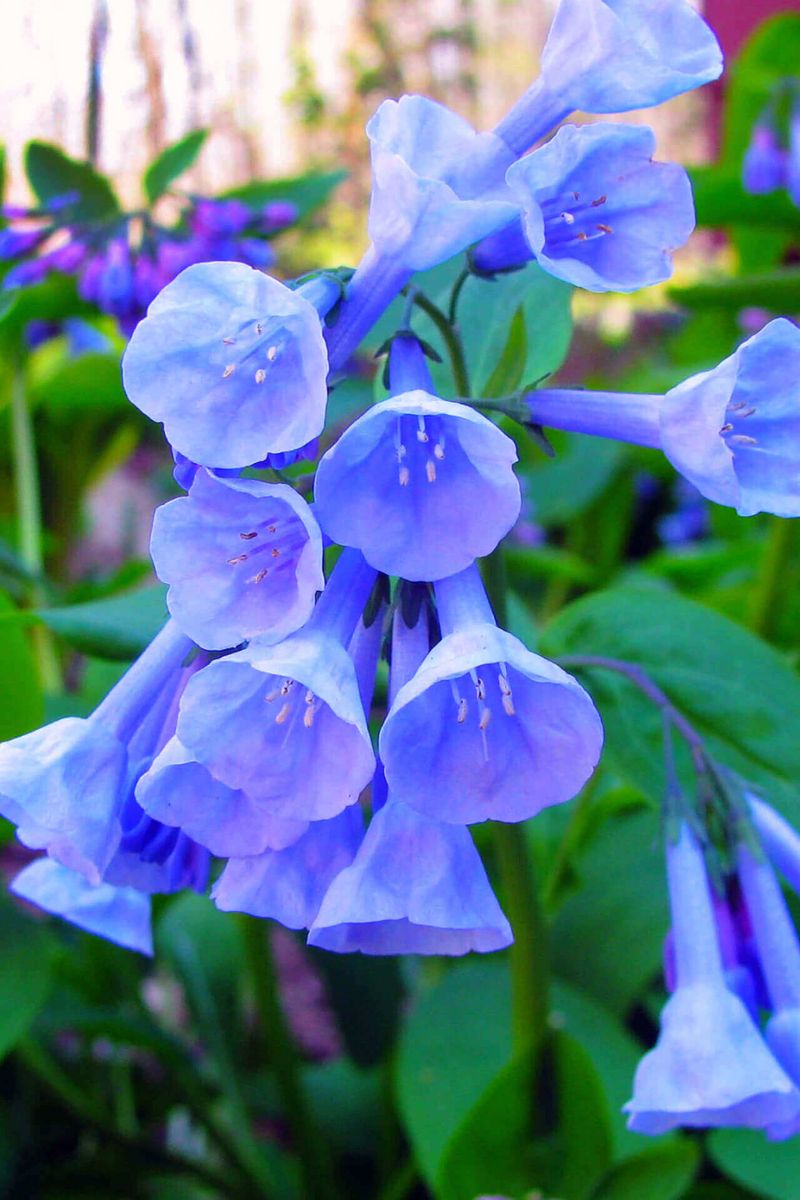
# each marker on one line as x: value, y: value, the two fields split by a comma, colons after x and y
x: 562, y: 488
x: 171, y: 163
x: 120, y: 627
x: 52, y: 173
x: 90, y: 383
x: 737, y: 691
x: 457, y: 1038
x: 551, y: 1137
x: 52, y: 300
x: 778, y: 291
x: 771, y: 1169
x: 21, y: 701
x: 720, y: 199
x: 660, y: 1174
x: 608, y: 935
x: 306, y: 192
x: 25, y: 972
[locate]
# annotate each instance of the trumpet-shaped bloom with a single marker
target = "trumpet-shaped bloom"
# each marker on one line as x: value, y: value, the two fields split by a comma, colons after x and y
x: 416, y: 886
x: 597, y: 210
x: 243, y: 559
x: 780, y: 840
x: 285, y: 724
x: 485, y: 729
x: 120, y: 914
x: 437, y: 185
x: 733, y: 432
x: 421, y: 486
x: 232, y: 362
x: 288, y: 885
x: 65, y: 785
x: 611, y: 56
x: 710, y: 1066
x: 179, y: 791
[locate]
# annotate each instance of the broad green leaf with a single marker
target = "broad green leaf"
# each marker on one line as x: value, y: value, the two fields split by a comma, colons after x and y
x: 119, y: 627
x: 171, y: 163
x: 720, y: 199
x: 21, y: 701
x: 346, y: 1103
x: 771, y: 1169
x: 52, y: 300
x: 52, y: 173
x: 778, y: 291
x: 25, y: 972
x: 306, y: 192
x: 566, y: 486
x: 737, y: 691
x: 608, y: 935
x: 91, y: 383
x: 549, y: 1135
x: 660, y: 1174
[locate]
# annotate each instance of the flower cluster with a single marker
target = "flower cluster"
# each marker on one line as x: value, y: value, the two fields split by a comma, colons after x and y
x: 123, y: 262
x: 729, y: 1048
x: 772, y: 159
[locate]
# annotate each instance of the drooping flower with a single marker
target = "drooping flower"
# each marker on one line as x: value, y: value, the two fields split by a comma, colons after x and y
x: 421, y: 486
x: 733, y: 432
x: 765, y: 161
x: 416, y: 885
x: 119, y: 914
x: 284, y: 723
x: 485, y: 729
x: 612, y: 56
x: 243, y: 559
x: 437, y: 184
x: 780, y: 840
x: 64, y: 786
x: 710, y: 1066
x: 233, y: 363
x: 597, y: 211
x: 793, y: 158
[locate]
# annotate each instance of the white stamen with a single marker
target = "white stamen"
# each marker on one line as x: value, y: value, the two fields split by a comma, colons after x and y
x: 567, y: 218
x: 287, y: 686
x: 486, y: 716
x: 259, y: 328
x: 239, y: 558
x: 261, y: 375
x: 508, y: 705
x: 229, y: 341
x: 283, y: 714
x: 742, y: 439
x: 404, y: 475
x: 262, y: 575
x: 275, y: 552
x: 272, y: 353
x: 430, y: 470
x: 438, y: 450
x: 231, y: 367
x: 461, y: 716
x: 246, y: 537
x: 308, y: 716
x: 422, y: 435
x: 309, y: 697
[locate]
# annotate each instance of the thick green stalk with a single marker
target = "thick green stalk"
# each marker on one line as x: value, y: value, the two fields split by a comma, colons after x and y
x: 451, y: 340
x: 29, y: 520
x: 530, y: 967
x: 770, y: 584
x: 318, y: 1183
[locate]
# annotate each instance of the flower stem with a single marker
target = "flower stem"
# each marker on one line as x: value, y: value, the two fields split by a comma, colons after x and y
x: 29, y: 521
x: 530, y: 965
x: 765, y: 606
x: 451, y: 340
x: 318, y: 1181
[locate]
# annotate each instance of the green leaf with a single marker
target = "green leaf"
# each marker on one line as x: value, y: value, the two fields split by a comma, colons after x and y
x: 120, y: 627
x: 51, y: 300
x: 660, y: 1174
x: 25, y: 972
x: 346, y: 1103
x: 566, y: 486
x: 737, y: 691
x: 365, y: 994
x: 720, y: 199
x: 306, y: 192
x: 171, y: 163
x: 90, y: 383
x: 21, y: 700
x: 52, y: 173
x: 551, y: 1136
x: 778, y: 291
x: 771, y: 1169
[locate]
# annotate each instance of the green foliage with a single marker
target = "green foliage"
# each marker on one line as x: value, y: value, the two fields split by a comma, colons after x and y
x: 117, y: 627
x: 171, y: 163
x: 308, y: 192
x: 21, y: 700
x: 25, y: 973
x: 771, y: 1169
x: 52, y: 173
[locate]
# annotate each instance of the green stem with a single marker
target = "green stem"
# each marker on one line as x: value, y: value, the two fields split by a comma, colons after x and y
x: 452, y: 342
x: 49, y: 1072
x: 530, y: 968
x: 29, y: 520
x: 770, y: 585
x: 314, y: 1166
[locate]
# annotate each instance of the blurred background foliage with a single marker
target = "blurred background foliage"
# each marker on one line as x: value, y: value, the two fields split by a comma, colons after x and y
x: 195, y: 1076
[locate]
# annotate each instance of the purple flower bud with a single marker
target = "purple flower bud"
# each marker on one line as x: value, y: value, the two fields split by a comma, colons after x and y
x: 16, y: 242
x: 279, y: 213
x: 765, y: 161
x: 223, y: 217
